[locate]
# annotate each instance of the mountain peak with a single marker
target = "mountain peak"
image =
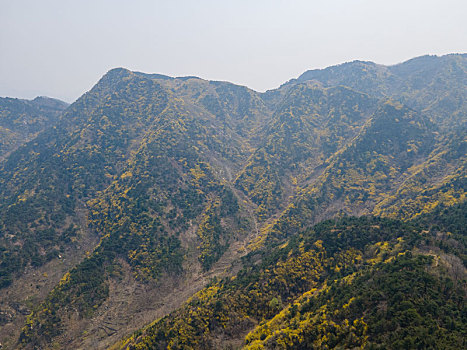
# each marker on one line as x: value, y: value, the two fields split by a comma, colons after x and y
x: 116, y: 74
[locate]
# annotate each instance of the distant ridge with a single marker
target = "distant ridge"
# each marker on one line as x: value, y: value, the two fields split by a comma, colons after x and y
x: 22, y: 119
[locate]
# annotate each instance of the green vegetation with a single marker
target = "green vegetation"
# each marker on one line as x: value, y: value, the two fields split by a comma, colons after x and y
x: 354, y: 282
x: 434, y: 85
x: 46, y: 181
x: 395, y: 305
x: 309, y: 126
x: 165, y: 188
x: 21, y: 120
x: 181, y: 180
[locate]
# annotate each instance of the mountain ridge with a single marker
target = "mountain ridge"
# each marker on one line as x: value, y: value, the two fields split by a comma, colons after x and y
x: 21, y: 120
x: 181, y: 180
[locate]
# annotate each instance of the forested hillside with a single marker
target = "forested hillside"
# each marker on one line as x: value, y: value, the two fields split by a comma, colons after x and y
x: 184, y: 213
x: 21, y: 120
x: 355, y: 282
x: 431, y: 84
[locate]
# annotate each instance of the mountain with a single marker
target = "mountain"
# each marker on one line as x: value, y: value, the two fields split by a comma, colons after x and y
x: 128, y: 155
x: 201, y: 210
x: 308, y: 126
x: 433, y: 85
x: 22, y: 120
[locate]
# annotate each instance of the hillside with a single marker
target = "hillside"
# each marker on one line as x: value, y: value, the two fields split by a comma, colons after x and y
x: 21, y: 120
x: 355, y: 282
x: 431, y: 84
x: 199, y: 207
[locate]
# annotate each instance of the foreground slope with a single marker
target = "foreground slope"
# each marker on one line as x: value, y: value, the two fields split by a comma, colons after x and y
x: 355, y: 282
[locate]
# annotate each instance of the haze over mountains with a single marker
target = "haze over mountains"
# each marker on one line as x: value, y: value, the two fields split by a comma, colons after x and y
x: 197, y: 209
x: 21, y: 120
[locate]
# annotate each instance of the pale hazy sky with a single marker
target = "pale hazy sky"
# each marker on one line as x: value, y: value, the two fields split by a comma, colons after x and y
x: 61, y: 48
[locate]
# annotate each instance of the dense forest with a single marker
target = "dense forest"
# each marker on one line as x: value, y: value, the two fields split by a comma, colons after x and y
x: 353, y: 282
x: 158, y: 212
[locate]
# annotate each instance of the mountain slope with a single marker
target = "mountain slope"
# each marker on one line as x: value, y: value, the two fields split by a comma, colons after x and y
x: 346, y: 283
x: 160, y: 206
x: 309, y: 125
x: 361, y: 174
x: 45, y: 183
x: 431, y: 84
x: 46, y: 180
x: 149, y: 188
x: 21, y: 120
